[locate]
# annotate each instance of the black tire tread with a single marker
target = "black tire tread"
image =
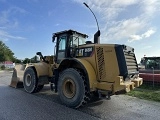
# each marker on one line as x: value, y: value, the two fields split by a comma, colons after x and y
x: 86, y: 97
x: 37, y: 87
x: 86, y: 93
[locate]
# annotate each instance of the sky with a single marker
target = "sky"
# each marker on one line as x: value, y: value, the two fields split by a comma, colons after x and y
x: 26, y: 26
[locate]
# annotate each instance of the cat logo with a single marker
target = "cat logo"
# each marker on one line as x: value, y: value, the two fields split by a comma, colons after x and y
x: 80, y: 52
x: 85, y: 52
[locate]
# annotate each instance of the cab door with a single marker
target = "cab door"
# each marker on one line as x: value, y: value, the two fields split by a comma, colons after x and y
x: 61, y: 49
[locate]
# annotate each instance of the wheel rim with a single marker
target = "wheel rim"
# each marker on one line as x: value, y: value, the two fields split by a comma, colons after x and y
x: 28, y: 80
x: 69, y: 88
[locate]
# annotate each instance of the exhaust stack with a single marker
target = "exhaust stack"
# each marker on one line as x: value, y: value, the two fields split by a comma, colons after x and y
x: 97, y: 37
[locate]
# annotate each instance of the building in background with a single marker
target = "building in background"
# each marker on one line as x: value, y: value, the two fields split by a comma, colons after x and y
x: 8, y: 64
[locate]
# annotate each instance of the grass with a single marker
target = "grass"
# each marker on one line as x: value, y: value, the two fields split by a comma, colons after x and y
x: 7, y: 69
x: 146, y: 92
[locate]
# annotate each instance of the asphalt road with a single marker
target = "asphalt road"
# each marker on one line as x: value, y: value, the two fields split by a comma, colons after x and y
x: 16, y: 104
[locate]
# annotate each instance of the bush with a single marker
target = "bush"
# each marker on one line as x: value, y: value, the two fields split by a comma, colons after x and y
x: 3, y: 67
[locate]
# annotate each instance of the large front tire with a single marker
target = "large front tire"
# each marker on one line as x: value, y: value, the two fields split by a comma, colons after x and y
x: 72, y: 89
x: 30, y: 81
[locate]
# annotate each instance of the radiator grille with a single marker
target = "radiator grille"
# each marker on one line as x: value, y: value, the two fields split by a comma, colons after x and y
x: 131, y: 62
x: 101, y: 63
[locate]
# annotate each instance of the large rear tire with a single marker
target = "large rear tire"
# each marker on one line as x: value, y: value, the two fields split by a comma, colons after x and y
x: 72, y: 89
x: 30, y: 81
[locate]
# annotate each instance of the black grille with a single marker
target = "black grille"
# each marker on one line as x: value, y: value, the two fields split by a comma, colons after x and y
x: 131, y: 62
x: 126, y: 60
x: 101, y: 63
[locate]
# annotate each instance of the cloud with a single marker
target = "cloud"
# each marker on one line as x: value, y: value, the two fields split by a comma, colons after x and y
x: 135, y: 37
x: 109, y: 9
x: 125, y: 20
x: 9, y: 22
x: 57, y: 24
x: 8, y: 19
x: 149, y: 7
x: 147, y: 47
x: 6, y: 36
x: 148, y: 33
x: 120, y: 30
x: 142, y: 36
x: 124, y: 3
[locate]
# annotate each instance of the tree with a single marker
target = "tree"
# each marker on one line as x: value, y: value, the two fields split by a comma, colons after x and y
x: 26, y: 60
x: 2, y: 46
x: 17, y: 60
x: 34, y: 59
x: 5, y: 53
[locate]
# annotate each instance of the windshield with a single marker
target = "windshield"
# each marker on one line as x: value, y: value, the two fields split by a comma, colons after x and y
x: 77, y: 40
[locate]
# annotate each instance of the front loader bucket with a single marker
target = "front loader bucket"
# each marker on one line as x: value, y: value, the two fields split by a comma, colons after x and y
x: 17, y: 76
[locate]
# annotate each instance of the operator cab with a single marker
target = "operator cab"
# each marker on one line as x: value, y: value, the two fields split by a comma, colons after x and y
x: 66, y: 43
x: 151, y: 63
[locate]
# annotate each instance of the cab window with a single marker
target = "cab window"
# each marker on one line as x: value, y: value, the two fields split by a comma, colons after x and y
x: 62, y: 43
x: 61, y: 48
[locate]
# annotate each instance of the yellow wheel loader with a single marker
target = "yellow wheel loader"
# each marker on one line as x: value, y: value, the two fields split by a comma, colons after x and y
x: 80, y: 68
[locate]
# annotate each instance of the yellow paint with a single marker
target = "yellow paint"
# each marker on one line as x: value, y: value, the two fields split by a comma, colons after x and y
x: 90, y: 71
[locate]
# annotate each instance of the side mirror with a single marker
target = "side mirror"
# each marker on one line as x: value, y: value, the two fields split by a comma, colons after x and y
x: 37, y: 59
x: 39, y: 53
x: 53, y: 38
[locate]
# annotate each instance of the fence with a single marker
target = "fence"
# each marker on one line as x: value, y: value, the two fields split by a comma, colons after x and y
x: 150, y: 77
